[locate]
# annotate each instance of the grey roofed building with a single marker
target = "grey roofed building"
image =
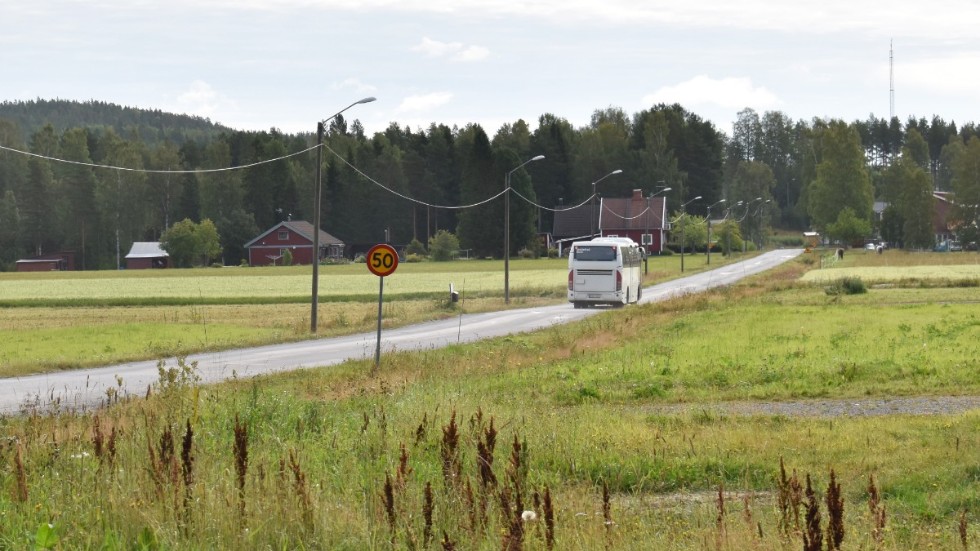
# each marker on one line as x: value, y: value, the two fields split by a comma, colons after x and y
x: 147, y: 254
x: 146, y: 249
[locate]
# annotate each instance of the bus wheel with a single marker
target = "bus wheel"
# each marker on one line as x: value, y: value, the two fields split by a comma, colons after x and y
x: 578, y: 305
x: 639, y: 293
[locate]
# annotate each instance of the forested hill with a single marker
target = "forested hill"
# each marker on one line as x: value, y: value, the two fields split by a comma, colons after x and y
x: 151, y: 126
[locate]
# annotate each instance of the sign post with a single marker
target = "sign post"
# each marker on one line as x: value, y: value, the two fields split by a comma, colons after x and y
x: 382, y: 260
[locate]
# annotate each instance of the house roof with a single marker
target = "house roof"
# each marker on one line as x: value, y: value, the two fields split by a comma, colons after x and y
x: 302, y: 228
x: 634, y: 213
x: 574, y: 222
x: 146, y: 249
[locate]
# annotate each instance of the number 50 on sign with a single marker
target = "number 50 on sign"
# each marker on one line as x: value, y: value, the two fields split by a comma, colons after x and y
x: 382, y: 260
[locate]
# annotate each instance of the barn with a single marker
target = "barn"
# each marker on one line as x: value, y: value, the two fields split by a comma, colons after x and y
x: 295, y: 236
x: 145, y: 255
x: 63, y: 260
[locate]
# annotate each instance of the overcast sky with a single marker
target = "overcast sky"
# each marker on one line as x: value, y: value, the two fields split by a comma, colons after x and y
x: 259, y: 64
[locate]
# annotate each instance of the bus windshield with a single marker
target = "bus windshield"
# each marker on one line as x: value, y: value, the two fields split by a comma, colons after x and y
x: 599, y: 254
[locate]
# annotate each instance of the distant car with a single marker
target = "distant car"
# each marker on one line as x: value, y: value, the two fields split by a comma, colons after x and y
x: 870, y: 246
x: 948, y: 245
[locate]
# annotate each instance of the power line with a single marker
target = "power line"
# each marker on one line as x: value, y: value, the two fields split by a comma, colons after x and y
x: 151, y: 171
x: 259, y: 163
x: 532, y: 203
x: 406, y: 197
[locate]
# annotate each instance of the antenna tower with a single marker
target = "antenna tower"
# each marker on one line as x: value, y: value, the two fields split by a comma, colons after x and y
x: 891, y: 81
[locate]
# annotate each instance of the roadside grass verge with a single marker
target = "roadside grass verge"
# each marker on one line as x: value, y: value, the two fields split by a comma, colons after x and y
x: 43, y: 339
x: 341, y: 457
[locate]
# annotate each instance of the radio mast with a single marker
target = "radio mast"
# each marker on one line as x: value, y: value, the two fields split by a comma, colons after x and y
x: 891, y: 81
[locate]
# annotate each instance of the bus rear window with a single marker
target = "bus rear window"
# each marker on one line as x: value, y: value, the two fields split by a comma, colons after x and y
x: 603, y: 254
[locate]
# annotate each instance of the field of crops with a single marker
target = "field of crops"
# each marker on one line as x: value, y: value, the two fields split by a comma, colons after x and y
x: 208, y: 285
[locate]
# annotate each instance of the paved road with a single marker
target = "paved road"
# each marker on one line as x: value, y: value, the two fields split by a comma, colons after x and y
x: 87, y: 388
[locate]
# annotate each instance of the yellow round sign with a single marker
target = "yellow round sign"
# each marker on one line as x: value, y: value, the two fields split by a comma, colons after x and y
x: 382, y: 260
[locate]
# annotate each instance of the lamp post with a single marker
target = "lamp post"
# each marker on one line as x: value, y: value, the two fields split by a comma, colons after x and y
x: 507, y: 226
x: 617, y: 171
x: 647, y: 217
x: 708, y: 248
x: 317, y: 194
x: 683, y: 226
x: 758, y: 211
x: 728, y: 233
x: 748, y: 208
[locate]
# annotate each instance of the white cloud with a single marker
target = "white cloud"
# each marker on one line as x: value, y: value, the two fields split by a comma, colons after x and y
x: 953, y: 75
x: 455, y: 51
x: 434, y: 48
x: 204, y: 101
x: 883, y: 18
x: 726, y: 92
x: 355, y: 85
x: 472, y: 53
x: 424, y: 102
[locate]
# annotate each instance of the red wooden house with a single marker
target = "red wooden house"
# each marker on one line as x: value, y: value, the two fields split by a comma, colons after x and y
x: 640, y: 218
x: 295, y: 236
x: 62, y: 260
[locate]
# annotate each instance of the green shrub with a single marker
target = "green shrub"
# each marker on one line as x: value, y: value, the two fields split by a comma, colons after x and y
x: 787, y: 240
x: 552, y: 252
x: 526, y: 253
x: 846, y: 286
x: 360, y: 259
x: 415, y: 247
x: 413, y: 257
x: 443, y: 245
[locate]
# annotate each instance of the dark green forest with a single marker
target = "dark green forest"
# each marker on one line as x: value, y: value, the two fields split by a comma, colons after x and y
x: 798, y: 174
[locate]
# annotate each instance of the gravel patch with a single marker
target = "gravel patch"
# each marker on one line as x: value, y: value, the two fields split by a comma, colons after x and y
x: 854, y: 407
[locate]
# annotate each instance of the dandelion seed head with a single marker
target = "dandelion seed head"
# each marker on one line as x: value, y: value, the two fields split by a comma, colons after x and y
x: 529, y: 516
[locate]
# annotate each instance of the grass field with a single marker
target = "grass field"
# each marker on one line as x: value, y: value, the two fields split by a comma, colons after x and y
x: 895, y: 266
x: 229, y: 284
x: 448, y: 448
x: 69, y: 320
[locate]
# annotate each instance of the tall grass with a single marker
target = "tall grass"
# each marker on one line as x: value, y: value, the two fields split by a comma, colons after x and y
x: 478, y: 446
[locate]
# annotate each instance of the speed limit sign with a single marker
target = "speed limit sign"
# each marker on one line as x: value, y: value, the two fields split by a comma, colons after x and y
x: 382, y: 260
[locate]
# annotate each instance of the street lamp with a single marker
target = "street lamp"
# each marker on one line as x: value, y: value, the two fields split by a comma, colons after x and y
x: 647, y: 217
x: 748, y: 208
x: 758, y: 211
x: 317, y: 193
x: 684, y: 226
x: 507, y: 226
x: 709, y: 228
x: 728, y: 234
x: 617, y: 171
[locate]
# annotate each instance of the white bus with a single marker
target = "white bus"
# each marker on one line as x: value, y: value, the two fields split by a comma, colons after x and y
x: 605, y: 270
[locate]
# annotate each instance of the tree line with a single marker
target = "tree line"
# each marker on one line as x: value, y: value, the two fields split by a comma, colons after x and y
x: 785, y: 173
